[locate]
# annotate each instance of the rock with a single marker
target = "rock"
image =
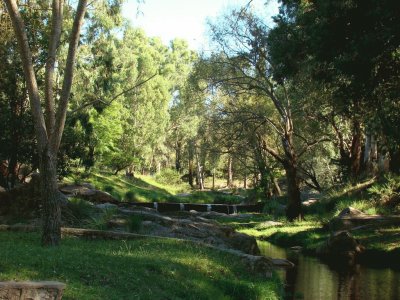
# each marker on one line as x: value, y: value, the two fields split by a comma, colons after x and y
x: 341, y: 246
x: 106, y: 206
x: 77, y: 190
x: 87, y: 192
x: 309, y: 202
x: 243, y: 242
x: 41, y: 290
x: 350, y: 212
x: 269, y: 224
x: 282, y: 263
x: 100, y: 197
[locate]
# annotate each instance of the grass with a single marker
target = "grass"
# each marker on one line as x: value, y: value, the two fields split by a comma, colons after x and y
x: 148, y: 189
x: 140, y: 269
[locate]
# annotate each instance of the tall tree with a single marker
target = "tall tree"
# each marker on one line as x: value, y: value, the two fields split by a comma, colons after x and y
x: 49, y: 124
x: 243, y: 64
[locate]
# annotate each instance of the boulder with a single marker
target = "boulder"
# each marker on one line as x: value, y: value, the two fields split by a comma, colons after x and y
x: 341, y: 246
x: 350, y: 212
x: 87, y: 192
x: 195, y: 228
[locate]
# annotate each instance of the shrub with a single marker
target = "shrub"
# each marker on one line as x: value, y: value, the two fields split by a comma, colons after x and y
x: 134, y: 223
x: 387, y: 191
x: 130, y: 196
x: 108, y: 188
x: 77, y: 210
x: 168, y: 176
x: 275, y: 208
x: 101, y: 221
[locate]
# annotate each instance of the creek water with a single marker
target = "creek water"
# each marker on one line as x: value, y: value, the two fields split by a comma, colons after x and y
x: 312, y: 279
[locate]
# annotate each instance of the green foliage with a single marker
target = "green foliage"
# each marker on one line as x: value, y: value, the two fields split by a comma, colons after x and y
x: 134, y: 223
x: 102, y: 219
x: 108, y: 188
x: 138, y: 269
x: 274, y: 207
x: 168, y: 177
x: 385, y: 190
x: 130, y: 196
x: 366, y: 206
x: 213, y: 197
x: 77, y: 211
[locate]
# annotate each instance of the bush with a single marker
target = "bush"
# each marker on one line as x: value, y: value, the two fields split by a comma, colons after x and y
x: 77, y: 211
x: 134, y: 223
x: 130, y: 196
x: 168, y: 176
x: 273, y: 207
x: 108, y: 188
x: 101, y: 221
x: 387, y: 191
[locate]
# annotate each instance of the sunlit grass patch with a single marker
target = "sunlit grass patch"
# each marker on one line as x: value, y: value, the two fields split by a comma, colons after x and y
x: 140, y: 269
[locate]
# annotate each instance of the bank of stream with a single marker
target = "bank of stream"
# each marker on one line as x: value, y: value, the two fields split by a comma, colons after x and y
x: 313, y: 279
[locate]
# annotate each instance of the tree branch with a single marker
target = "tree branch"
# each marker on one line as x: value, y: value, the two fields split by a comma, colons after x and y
x: 115, y: 97
x: 68, y: 76
x: 26, y: 58
x: 57, y: 17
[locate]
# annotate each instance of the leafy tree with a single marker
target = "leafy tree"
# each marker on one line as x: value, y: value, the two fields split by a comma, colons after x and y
x: 49, y: 124
x: 351, y: 48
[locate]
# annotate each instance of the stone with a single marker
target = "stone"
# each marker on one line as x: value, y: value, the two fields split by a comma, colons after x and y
x: 31, y: 290
x: 309, y: 202
x: 350, y: 212
x: 341, y: 246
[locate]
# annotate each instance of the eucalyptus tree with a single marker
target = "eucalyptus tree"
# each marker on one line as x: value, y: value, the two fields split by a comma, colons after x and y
x: 60, y: 19
x: 241, y: 61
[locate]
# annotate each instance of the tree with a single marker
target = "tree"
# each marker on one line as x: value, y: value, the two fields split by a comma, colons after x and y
x: 49, y: 125
x: 243, y: 64
x: 351, y: 47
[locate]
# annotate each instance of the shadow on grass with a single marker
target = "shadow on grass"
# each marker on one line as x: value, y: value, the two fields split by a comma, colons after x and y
x: 141, y: 269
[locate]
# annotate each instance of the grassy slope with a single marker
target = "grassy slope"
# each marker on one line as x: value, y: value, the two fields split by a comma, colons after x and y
x: 147, y: 189
x: 142, y: 269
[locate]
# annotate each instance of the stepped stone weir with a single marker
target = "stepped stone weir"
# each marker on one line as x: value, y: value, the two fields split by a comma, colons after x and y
x: 220, y: 208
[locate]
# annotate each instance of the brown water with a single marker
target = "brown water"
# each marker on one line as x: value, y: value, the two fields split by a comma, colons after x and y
x: 312, y: 279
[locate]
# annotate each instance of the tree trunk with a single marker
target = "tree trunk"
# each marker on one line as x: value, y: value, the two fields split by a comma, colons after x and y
x: 293, y: 209
x: 190, y: 155
x: 213, y: 179
x: 48, y: 134
x: 200, y: 180
x: 355, y: 156
x: 394, y: 162
x: 230, y: 172
x: 178, y: 152
x: 277, y: 189
x: 51, y: 198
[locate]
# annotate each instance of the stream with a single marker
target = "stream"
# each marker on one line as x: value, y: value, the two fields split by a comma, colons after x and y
x: 312, y: 279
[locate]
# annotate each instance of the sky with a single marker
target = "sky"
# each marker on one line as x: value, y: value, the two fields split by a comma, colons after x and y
x: 169, y: 19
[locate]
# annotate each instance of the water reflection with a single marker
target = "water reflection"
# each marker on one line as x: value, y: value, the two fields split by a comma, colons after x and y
x: 312, y: 279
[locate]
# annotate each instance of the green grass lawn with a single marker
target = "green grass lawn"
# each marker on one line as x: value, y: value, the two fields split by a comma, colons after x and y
x: 140, y: 269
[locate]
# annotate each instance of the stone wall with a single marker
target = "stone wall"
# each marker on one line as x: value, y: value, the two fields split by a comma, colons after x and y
x: 31, y: 290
